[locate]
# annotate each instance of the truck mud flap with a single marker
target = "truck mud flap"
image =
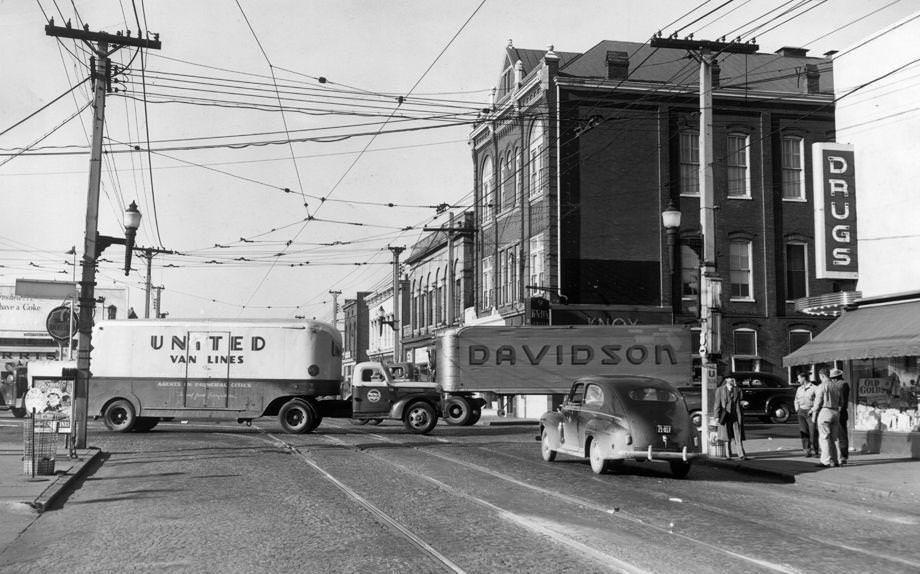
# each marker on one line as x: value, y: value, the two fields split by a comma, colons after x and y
x: 334, y: 408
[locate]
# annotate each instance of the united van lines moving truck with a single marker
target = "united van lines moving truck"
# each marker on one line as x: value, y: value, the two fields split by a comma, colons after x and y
x: 544, y: 360
x: 146, y: 371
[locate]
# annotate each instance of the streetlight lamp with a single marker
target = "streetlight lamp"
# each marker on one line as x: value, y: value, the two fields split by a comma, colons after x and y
x: 670, y: 219
x: 95, y: 244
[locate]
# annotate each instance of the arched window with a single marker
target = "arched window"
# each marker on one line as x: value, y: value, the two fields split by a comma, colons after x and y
x: 509, y: 182
x: 487, y: 188
x: 535, y: 174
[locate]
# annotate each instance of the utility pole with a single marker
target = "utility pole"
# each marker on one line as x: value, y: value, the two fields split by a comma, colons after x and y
x: 335, y: 306
x: 98, y: 43
x: 397, y: 317
x: 148, y: 253
x: 710, y: 283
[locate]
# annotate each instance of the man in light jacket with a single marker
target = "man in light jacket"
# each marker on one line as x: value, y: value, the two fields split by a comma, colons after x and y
x: 804, y: 402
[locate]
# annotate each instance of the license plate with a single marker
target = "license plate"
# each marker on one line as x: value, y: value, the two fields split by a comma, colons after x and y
x: 664, y: 429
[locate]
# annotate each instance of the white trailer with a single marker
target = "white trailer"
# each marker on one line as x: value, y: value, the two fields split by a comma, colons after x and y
x: 475, y: 360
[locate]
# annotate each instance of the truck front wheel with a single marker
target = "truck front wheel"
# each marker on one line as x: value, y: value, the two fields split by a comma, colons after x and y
x: 119, y: 416
x: 297, y: 416
x: 458, y: 411
x: 420, y: 418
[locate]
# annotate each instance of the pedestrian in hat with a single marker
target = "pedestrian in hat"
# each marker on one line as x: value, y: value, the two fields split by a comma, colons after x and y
x: 730, y: 416
x: 804, y: 401
x: 843, y: 434
x: 826, y: 414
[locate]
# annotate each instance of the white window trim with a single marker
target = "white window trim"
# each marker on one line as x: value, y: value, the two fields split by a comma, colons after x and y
x: 807, y: 268
x: 747, y: 167
x: 695, y: 134
x: 755, y: 358
x: 803, y: 195
x: 536, y: 161
x: 536, y: 249
x: 750, y: 272
x: 488, y: 293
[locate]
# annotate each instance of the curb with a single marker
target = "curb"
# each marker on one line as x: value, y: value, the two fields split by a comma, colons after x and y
x: 50, y: 495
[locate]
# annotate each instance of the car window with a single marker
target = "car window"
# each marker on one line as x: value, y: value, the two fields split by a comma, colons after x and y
x: 753, y: 383
x: 652, y: 394
x: 577, y: 394
x: 594, y: 397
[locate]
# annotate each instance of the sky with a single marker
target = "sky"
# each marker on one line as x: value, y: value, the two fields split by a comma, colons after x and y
x: 270, y: 210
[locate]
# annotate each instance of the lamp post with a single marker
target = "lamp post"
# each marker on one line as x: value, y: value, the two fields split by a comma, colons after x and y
x: 670, y: 219
x: 95, y: 244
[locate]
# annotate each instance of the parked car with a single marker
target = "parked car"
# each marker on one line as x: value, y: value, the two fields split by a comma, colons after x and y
x: 609, y: 419
x: 764, y: 395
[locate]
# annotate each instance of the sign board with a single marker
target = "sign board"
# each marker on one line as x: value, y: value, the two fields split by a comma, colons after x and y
x: 834, y: 190
x: 61, y: 323
x: 52, y: 396
x: 538, y: 311
x: 43, y: 289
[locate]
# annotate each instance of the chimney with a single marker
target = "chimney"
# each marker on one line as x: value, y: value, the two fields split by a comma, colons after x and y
x: 792, y: 52
x: 714, y: 72
x: 617, y: 65
x: 812, y: 78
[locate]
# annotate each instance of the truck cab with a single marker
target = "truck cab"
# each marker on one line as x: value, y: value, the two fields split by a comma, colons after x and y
x: 375, y: 394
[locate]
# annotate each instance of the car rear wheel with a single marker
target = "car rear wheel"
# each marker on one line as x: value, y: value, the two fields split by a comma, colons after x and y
x: 679, y: 468
x: 420, y: 418
x: 548, y: 454
x: 780, y: 413
x: 458, y: 411
x: 119, y: 416
x: 598, y: 464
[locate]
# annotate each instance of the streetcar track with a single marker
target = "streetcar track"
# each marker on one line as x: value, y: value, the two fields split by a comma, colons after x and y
x: 560, y: 496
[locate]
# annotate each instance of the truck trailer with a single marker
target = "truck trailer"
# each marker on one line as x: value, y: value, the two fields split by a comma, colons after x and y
x: 475, y: 361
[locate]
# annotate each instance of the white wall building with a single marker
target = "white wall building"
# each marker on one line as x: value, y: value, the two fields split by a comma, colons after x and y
x: 882, y: 121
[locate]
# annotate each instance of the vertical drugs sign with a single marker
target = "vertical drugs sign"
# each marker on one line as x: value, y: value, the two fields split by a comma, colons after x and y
x: 834, y: 171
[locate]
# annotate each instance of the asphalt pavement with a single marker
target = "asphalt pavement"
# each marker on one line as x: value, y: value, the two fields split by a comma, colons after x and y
x: 874, y: 476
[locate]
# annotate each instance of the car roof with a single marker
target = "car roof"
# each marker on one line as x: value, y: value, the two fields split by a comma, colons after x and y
x: 625, y: 380
x: 758, y: 375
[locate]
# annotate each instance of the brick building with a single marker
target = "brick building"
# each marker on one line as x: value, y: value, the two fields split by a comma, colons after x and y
x: 583, y: 151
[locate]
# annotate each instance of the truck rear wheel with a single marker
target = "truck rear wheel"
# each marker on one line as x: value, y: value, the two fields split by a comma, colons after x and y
x: 298, y: 416
x: 458, y: 411
x: 420, y: 418
x: 119, y: 416
x: 474, y: 416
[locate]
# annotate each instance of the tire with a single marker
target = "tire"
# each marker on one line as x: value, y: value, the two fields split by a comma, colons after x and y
x: 119, y: 416
x: 420, y: 418
x: 17, y: 412
x: 548, y: 454
x: 374, y: 422
x: 598, y: 464
x: 474, y: 417
x: 458, y: 411
x: 780, y: 413
x: 679, y: 468
x: 298, y: 416
x: 145, y: 424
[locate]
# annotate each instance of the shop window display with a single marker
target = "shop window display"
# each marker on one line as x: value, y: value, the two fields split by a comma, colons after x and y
x: 887, y: 394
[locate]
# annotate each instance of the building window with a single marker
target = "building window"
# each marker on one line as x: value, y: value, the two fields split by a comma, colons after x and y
x: 537, y: 275
x: 739, y: 264
x: 739, y: 176
x: 689, y: 163
x: 690, y: 280
x: 487, y: 283
x: 509, y: 182
x: 797, y: 338
x: 508, y: 276
x: 793, y: 168
x: 487, y: 188
x: 458, y: 299
x: 744, y: 357
x: 421, y: 308
x: 796, y: 271
x: 535, y: 160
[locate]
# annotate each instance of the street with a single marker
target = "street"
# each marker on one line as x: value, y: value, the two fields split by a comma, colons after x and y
x: 221, y: 497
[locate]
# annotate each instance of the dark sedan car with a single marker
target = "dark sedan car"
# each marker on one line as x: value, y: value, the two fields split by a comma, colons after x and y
x: 764, y: 395
x: 609, y: 419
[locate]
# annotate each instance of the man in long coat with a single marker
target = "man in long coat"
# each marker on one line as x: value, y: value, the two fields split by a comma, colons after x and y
x: 730, y: 416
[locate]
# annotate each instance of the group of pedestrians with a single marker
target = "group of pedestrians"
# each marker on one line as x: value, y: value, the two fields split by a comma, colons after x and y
x: 822, y: 412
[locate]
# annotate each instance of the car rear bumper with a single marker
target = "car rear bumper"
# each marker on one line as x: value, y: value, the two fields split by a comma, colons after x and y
x: 650, y: 454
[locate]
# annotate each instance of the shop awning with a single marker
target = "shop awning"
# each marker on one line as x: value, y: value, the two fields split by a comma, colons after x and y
x: 891, y: 330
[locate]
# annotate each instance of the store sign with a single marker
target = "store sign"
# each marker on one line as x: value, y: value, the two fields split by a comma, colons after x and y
x: 538, y: 311
x: 835, y: 211
x: 61, y: 323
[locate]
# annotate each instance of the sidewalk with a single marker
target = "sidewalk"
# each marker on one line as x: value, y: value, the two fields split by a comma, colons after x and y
x: 39, y: 493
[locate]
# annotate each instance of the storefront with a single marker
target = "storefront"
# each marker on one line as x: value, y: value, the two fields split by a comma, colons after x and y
x: 877, y: 344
